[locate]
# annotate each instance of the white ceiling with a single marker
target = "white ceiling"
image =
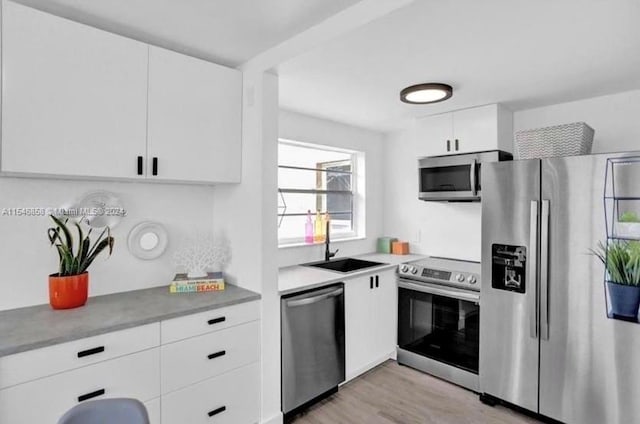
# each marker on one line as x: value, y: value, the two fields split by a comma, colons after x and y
x: 229, y: 32
x: 523, y: 53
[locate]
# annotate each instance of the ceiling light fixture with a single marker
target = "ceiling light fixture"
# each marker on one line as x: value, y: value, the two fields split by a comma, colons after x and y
x: 420, y: 94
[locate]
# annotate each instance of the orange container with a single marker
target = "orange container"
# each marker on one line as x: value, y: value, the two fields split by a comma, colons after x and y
x: 400, y: 248
x: 69, y: 291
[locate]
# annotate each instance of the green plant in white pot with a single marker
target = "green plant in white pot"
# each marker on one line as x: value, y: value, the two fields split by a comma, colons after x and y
x: 628, y: 225
x: 622, y: 261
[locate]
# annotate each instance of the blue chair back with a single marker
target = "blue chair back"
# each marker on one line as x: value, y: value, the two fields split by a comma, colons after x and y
x: 107, y: 411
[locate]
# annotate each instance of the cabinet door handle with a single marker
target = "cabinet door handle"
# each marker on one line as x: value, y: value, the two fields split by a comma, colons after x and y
x: 371, y: 282
x: 89, y: 352
x: 217, y: 354
x: 448, y: 145
x: 91, y: 395
x: 456, y: 144
x: 217, y: 411
x: 140, y: 165
x: 154, y: 166
x: 377, y: 281
x: 216, y: 320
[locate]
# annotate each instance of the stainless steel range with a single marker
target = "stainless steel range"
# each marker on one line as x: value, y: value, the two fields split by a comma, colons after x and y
x: 439, y: 318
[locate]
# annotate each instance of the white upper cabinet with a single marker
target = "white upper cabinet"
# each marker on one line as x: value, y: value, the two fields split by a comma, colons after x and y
x: 470, y: 130
x: 74, y: 97
x: 81, y: 102
x: 195, y: 112
x: 434, y: 134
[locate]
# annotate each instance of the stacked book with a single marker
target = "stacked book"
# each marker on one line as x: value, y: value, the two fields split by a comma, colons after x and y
x: 214, y: 281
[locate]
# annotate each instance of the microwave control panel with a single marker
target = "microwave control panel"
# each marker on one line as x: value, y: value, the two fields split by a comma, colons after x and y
x: 508, y: 267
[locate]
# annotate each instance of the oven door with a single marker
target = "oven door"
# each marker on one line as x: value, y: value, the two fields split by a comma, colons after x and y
x: 440, y: 323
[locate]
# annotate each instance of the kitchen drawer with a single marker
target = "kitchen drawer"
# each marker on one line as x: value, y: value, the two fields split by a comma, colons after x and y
x: 153, y: 410
x: 237, y: 392
x: 38, y: 363
x: 198, y: 358
x: 206, y: 322
x: 44, y: 401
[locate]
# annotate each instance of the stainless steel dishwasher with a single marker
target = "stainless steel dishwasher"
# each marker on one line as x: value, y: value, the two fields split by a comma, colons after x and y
x: 312, y: 346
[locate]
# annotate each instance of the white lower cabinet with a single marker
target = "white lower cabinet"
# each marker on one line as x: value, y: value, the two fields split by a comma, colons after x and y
x: 47, y: 399
x: 370, y: 321
x: 213, y: 377
x: 231, y: 398
x: 198, y: 358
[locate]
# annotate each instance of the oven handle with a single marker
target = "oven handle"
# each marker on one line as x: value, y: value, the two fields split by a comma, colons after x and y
x: 439, y: 291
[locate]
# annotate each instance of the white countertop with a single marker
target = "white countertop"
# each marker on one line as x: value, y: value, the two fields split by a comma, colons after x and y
x: 296, y: 278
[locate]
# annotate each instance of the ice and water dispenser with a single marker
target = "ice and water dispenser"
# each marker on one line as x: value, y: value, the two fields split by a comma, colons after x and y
x: 508, y: 267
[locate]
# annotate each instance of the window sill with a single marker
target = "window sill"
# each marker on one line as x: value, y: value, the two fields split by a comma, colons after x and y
x: 333, y: 241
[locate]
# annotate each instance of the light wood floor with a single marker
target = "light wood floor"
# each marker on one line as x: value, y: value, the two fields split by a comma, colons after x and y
x: 392, y: 393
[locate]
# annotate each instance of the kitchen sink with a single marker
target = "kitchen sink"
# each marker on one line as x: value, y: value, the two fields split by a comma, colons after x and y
x: 344, y: 264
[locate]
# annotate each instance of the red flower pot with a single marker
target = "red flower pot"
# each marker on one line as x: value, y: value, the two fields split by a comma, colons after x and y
x: 69, y: 291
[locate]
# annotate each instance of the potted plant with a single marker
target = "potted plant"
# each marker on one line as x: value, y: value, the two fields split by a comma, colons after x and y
x: 69, y: 287
x: 628, y: 225
x: 622, y: 262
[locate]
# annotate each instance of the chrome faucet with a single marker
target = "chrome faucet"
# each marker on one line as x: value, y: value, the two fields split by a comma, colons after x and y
x: 328, y: 254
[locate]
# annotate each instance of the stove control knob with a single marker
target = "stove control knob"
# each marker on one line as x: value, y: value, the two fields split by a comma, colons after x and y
x: 414, y: 270
x: 460, y: 278
x: 404, y: 268
x: 472, y: 279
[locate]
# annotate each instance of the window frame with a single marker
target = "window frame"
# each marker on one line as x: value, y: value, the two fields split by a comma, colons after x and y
x: 357, y: 219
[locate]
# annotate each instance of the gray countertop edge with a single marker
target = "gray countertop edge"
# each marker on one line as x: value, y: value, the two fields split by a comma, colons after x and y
x: 248, y: 296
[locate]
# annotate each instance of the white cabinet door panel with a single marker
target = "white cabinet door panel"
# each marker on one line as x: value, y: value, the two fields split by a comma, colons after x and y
x: 387, y: 313
x: 74, y: 97
x: 38, y: 363
x: 188, y: 361
x: 476, y: 129
x: 194, y: 119
x: 434, y: 134
x: 46, y: 400
x: 232, y: 398
x: 359, y: 325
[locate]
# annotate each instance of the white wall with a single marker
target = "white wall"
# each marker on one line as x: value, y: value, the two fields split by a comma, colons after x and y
x: 247, y: 214
x: 299, y: 127
x: 432, y: 228
x: 26, y: 259
x: 615, y: 119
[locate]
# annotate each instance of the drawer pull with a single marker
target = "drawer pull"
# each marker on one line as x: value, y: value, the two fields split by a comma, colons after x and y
x: 89, y: 352
x: 91, y: 395
x: 216, y: 320
x: 217, y: 354
x: 217, y: 411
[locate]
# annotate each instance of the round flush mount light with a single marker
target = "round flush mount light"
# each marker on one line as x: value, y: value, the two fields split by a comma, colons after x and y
x: 420, y: 94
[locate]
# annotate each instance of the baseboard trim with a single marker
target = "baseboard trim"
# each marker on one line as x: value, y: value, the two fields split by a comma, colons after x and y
x: 276, y: 419
x: 370, y: 366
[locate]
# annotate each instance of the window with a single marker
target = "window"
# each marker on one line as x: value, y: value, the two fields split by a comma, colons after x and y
x: 314, y: 178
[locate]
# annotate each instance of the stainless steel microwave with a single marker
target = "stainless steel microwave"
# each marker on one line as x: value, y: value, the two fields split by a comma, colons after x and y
x: 454, y: 177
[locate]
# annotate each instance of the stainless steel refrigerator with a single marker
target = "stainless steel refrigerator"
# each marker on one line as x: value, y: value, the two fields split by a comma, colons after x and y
x: 546, y: 343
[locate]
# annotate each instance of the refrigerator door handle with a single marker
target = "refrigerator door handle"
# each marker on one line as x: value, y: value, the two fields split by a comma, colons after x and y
x: 533, y: 266
x: 544, y: 271
x: 472, y: 175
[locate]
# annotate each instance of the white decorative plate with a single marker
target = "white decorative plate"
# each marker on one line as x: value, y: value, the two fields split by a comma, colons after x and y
x: 100, y: 209
x: 148, y: 240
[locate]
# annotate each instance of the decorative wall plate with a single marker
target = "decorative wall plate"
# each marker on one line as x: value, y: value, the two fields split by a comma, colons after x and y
x: 100, y: 209
x: 148, y: 240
